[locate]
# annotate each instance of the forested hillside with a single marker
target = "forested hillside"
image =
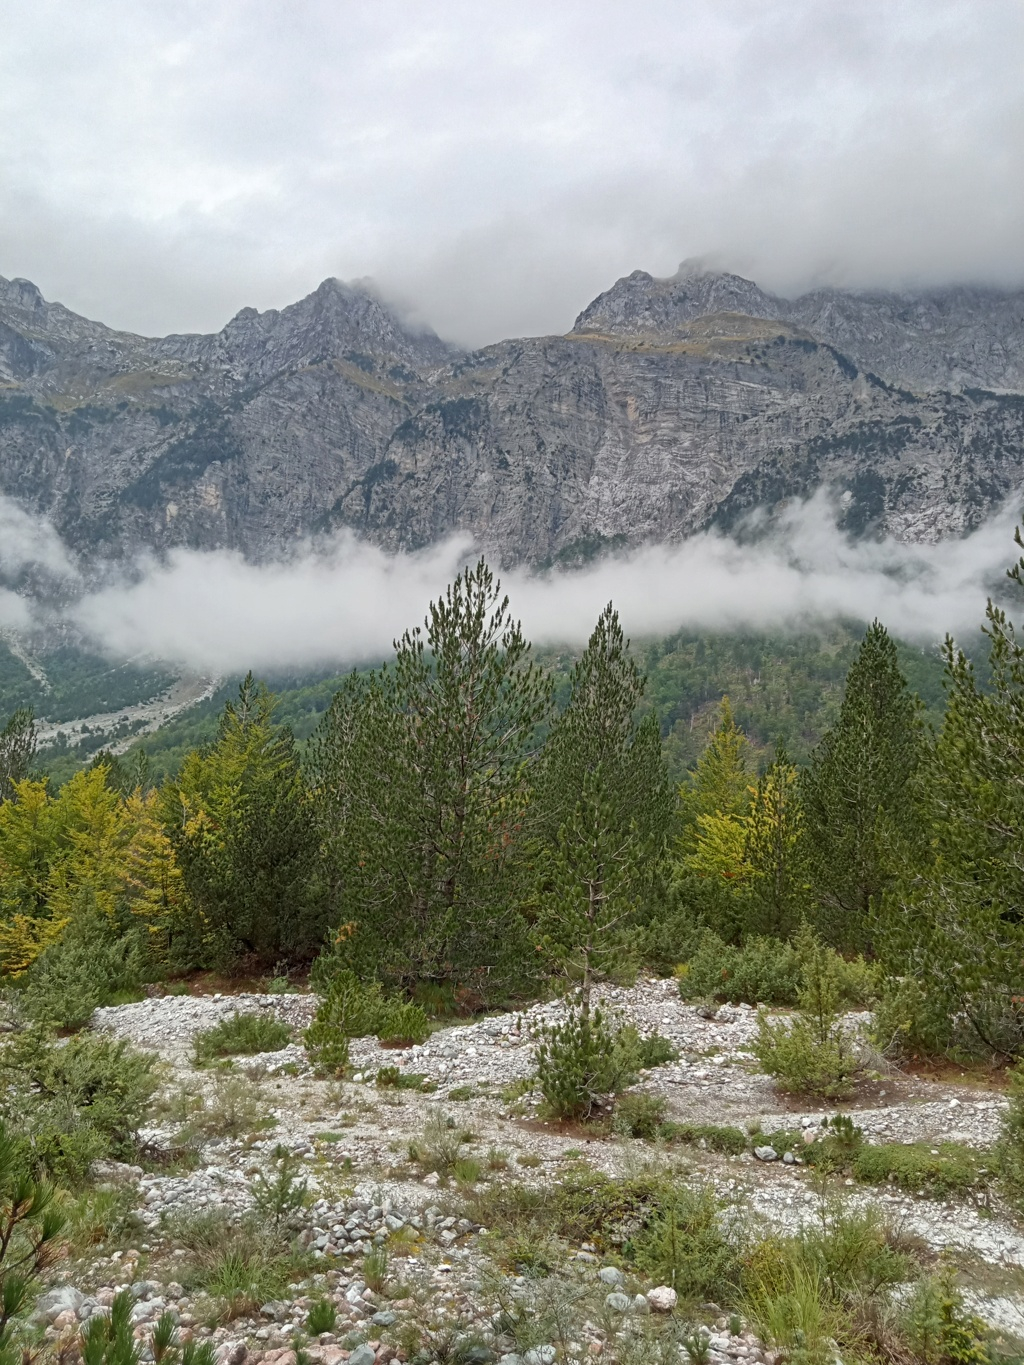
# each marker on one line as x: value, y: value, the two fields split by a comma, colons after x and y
x: 782, y: 686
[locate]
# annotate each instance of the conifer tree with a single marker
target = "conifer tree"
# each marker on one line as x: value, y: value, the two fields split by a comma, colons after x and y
x: 953, y: 927
x: 421, y: 779
x: 239, y: 823
x: 855, y: 793
x: 720, y: 784
x: 601, y: 815
x: 776, y: 887
x: 17, y: 750
x: 712, y: 871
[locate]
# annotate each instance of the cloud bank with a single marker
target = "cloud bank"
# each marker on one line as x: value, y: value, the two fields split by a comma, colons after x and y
x: 498, y: 165
x: 344, y: 602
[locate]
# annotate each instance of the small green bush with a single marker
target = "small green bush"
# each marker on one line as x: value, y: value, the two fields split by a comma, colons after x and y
x: 937, y: 1328
x: 763, y: 971
x: 90, y: 965
x: 582, y: 1061
x: 813, y: 1054
x: 639, y: 1116
x: 712, y: 1136
x: 402, y: 1023
x: 647, y: 1053
x: 277, y: 1197
x: 770, y: 971
x: 393, y: 1078
x: 321, y: 1318
x: 351, y: 1008
x: 948, y: 1168
x: 241, y: 1035
x: 74, y: 1101
x: 685, y: 1245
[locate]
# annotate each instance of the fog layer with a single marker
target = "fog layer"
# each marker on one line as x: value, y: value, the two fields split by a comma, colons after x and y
x: 344, y: 602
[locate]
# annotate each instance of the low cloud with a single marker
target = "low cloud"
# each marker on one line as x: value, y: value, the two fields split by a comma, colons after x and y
x: 344, y: 602
x: 30, y: 542
x: 498, y: 165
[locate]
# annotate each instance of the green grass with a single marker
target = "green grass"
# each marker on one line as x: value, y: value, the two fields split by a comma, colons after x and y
x: 241, y: 1035
x: 947, y: 1168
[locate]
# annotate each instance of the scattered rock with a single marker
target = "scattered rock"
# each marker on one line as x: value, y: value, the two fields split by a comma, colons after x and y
x: 540, y: 1355
x: 663, y: 1299
x: 766, y: 1154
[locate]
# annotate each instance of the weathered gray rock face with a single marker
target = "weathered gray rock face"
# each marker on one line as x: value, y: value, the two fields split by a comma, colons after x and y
x: 674, y: 404
x: 933, y: 339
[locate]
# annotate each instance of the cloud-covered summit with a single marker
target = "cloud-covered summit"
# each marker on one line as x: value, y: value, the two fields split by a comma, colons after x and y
x: 494, y: 166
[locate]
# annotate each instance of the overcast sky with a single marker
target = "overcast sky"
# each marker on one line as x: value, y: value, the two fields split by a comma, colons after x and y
x: 495, y: 165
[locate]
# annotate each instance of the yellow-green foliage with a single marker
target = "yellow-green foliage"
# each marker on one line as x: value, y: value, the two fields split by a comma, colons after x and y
x: 84, y: 850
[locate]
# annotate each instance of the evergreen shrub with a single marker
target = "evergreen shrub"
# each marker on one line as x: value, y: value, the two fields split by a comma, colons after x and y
x: 241, y: 1035
x: 585, y: 1059
x: 814, y: 1053
x: 76, y: 1101
x: 351, y: 1008
x: 768, y: 971
x: 639, y: 1116
x: 685, y: 1245
x: 91, y: 964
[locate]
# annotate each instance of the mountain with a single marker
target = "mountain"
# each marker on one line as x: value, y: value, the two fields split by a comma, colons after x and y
x: 671, y: 405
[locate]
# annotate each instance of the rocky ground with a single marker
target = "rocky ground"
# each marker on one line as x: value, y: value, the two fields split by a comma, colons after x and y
x: 349, y: 1142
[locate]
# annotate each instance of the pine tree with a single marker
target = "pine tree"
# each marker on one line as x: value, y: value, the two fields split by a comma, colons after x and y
x: 17, y: 750
x: 238, y: 819
x: 421, y: 779
x: 720, y: 784
x: 94, y: 832
x: 855, y: 793
x: 601, y: 816
x: 776, y: 887
x: 152, y: 887
x: 953, y: 926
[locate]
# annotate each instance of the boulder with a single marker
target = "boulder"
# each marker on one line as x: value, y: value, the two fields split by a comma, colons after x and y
x: 663, y: 1299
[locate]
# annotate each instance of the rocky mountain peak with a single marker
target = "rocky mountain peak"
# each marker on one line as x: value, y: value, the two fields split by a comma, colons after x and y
x: 952, y: 338
x: 642, y: 305
x: 335, y: 321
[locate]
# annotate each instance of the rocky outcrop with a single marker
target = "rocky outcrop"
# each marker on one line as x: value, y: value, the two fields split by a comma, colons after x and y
x: 932, y: 339
x: 672, y: 405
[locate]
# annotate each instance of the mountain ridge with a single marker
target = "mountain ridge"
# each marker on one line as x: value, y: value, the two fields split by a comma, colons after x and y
x: 670, y: 406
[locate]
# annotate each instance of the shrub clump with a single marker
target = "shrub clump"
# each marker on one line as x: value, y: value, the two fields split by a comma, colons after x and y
x: 241, y: 1035
x: 73, y: 1102
x: 813, y: 1054
x: 711, y: 1136
x: 950, y: 1168
x: 580, y: 1063
x: 639, y: 1116
x: 770, y: 971
x: 351, y: 1008
x: 685, y: 1245
x: 89, y: 965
